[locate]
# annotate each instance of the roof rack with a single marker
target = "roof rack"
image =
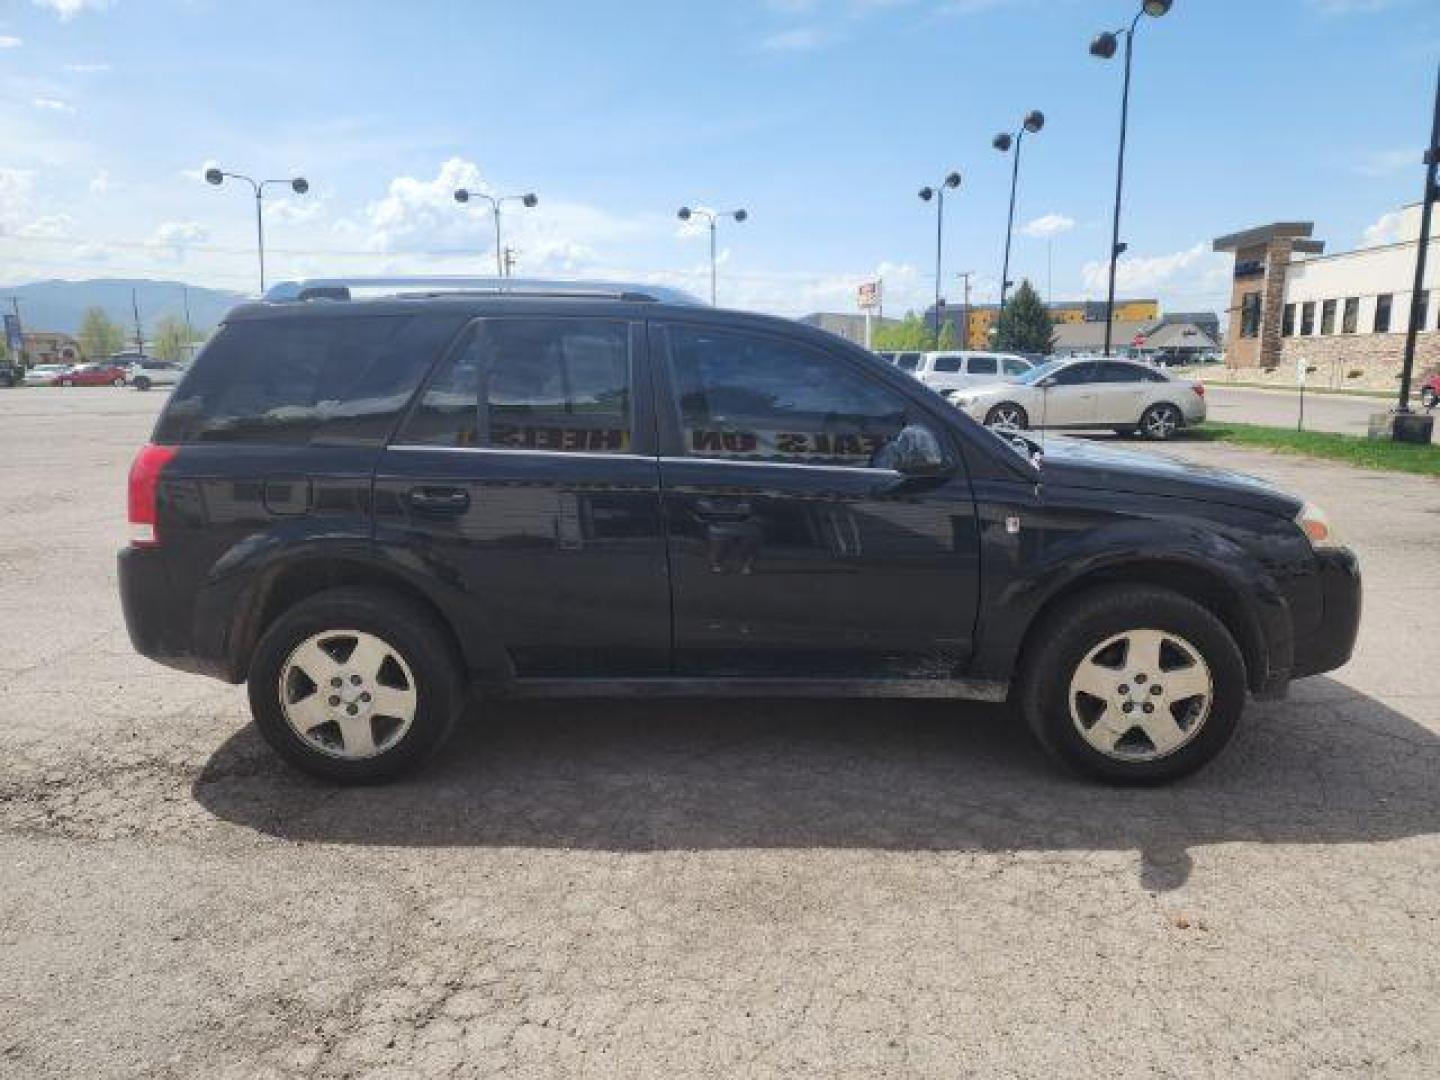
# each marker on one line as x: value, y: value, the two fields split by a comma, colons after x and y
x: 420, y: 287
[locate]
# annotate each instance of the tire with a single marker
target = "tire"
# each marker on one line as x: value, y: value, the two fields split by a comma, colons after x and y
x: 421, y: 667
x: 118, y: 381
x: 1089, y: 636
x: 142, y: 383
x: 1161, y: 421
x: 1007, y: 414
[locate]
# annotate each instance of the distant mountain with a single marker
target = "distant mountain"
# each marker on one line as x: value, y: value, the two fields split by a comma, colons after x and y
x: 60, y: 305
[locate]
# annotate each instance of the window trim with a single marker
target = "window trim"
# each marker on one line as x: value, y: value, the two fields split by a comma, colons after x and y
x: 642, y: 433
x: 671, y: 445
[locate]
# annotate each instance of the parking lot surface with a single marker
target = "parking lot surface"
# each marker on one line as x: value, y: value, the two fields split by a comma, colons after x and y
x: 718, y: 889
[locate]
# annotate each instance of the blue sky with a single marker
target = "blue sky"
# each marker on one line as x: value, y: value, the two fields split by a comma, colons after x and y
x: 821, y: 117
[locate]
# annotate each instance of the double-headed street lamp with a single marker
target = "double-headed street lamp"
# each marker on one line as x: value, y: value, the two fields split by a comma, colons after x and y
x: 1104, y: 47
x: 938, y: 194
x: 686, y: 213
x: 462, y: 196
x: 299, y: 185
x: 1033, y: 122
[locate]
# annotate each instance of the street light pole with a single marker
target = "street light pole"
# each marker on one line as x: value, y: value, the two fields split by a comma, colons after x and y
x: 685, y: 213
x: 1104, y: 47
x: 1427, y: 205
x: 952, y: 180
x: 298, y: 184
x: 1033, y: 122
x: 530, y: 199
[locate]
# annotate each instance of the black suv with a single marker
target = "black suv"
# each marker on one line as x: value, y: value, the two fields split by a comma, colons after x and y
x: 369, y: 508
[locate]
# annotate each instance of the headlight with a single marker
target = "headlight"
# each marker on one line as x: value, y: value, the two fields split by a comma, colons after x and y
x: 1316, y: 527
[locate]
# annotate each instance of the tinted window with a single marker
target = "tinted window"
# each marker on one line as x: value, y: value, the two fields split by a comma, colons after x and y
x: 1015, y: 367
x: 1121, y: 373
x: 1327, y: 317
x: 1287, y: 321
x: 1250, y: 314
x: 1350, y: 321
x: 531, y: 384
x: 1307, y: 318
x: 984, y: 365
x: 1382, y: 312
x: 947, y: 365
x: 293, y: 381
x: 907, y: 361
x: 763, y: 398
x: 1075, y: 374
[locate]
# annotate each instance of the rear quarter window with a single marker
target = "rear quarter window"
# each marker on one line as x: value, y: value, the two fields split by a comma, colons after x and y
x: 297, y: 381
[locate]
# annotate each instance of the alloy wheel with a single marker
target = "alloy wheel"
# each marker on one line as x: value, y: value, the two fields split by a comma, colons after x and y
x: 1141, y: 695
x: 1007, y: 416
x: 1161, y: 422
x: 348, y: 693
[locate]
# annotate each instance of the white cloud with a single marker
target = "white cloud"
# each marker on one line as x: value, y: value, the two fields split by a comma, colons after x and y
x: 53, y: 105
x: 100, y: 183
x: 1194, y: 277
x: 176, y: 237
x: 800, y: 39
x: 68, y: 9
x: 1386, y: 230
x: 8, y: 42
x: 1378, y: 163
x: 1047, y: 225
x: 86, y: 69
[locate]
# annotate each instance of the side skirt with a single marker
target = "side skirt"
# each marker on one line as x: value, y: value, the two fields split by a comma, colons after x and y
x: 962, y: 689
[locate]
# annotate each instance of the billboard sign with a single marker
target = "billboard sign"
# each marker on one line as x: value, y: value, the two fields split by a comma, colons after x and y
x: 868, y: 295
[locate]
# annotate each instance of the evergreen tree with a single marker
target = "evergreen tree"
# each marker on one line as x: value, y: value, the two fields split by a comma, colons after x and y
x: 1026, y: 325
x: 99, y: 334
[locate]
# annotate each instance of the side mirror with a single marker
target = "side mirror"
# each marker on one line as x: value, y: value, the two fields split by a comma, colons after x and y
x: 915, y: 451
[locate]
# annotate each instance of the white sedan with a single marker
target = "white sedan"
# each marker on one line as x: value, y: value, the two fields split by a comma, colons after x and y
x: 1115, y: 394
x: 42, y: 374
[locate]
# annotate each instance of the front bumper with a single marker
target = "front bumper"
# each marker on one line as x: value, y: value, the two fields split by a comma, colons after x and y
x: 1333, y: 641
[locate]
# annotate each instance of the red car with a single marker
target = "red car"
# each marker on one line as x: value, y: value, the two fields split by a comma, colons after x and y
x: 1430, y: 390
x: 91, y: 375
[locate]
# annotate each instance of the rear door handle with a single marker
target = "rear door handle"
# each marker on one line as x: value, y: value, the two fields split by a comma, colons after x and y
x: 440, y: 500
x: 723, y: 509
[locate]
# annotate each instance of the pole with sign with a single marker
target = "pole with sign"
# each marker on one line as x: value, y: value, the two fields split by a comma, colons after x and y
x: 868, y: 298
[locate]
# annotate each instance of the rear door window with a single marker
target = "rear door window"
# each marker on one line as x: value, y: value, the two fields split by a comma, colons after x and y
x: 1015, y: 367
x: 295, y: 381
x: 984, y: 365
x: 531, y: 384
x: 947, y: 365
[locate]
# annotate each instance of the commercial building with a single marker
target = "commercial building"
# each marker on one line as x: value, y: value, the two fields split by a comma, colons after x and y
x: 982, y: 318
x: 46, y: 347
x: 1344, y: 313
x: 1168, y: 339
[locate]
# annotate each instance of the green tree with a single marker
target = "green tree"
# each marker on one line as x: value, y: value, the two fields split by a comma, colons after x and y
x: 171, y: 338
x: 949, y: 340
x: 99, y: 334
x: 1026, y: 325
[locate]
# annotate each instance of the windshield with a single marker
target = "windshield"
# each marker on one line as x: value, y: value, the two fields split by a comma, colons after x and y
x: 1035, y: 374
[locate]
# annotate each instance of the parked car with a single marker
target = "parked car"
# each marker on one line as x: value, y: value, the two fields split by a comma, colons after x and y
x: 91, y: 375
x: 44, y: 374
x: 944, y: 371
x: 1118, y: 394
x: 371, y: 509
x: 143, y: 374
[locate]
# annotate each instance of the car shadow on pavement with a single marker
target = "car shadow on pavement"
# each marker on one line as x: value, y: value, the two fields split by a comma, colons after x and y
x: 1329, y: 766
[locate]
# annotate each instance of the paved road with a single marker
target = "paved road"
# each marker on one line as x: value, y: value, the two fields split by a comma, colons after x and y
x: 674, y: 889
x: 1280, y: 408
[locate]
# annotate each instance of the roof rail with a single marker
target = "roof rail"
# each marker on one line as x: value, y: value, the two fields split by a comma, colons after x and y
x: 415, y: 287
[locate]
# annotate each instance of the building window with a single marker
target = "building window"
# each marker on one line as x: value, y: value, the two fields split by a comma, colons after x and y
x: 1250, y: 314
x: 1307, y: 318
x: 1287, y: 321
x: 1422, y: 310
x: 1350, y: 321
x: 1327, y: 317
x: 1382, y: 312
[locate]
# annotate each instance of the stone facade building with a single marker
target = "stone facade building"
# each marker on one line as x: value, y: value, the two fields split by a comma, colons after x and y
x: 1343, y: 314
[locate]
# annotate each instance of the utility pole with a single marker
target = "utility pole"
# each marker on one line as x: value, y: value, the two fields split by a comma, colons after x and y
x: 510, y: 254
x: 965, y: 276
x: 189, y: 330
x: 139, y: 334
x: 1432, y: 193
x: 18, y: 360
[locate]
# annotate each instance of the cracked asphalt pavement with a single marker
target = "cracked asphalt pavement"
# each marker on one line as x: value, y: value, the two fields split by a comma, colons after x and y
x: 709, y: 889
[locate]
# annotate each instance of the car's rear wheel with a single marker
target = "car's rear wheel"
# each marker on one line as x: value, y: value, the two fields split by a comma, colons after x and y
x: 1161, y: 422
x: 1133, y: 685
x: 355, y: 685
x: 1007, y: 414
x: 142, y: 383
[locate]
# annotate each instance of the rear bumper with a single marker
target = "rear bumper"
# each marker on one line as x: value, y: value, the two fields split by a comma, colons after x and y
x: 1332, y: 643
x: 157, y: 620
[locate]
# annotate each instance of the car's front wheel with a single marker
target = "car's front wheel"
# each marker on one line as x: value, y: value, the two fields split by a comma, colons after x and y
x: 1133, y: 685
x: 142, y: 383
x: 1007, y: 414
x: 1161, y: 422
x: 355, y: 685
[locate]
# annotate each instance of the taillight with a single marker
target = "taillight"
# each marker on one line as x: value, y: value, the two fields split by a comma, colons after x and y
x: 1199, y: 388
x: 144, y: 486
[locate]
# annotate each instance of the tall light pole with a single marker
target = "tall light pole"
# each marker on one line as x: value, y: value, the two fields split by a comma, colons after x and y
x: 937, y: 193
x: 1104, y: 47
x: 1033, y: 122
x: 685, y: 213
x: 1432, y: 193
x: 529, y: 199
x: 298, y: 184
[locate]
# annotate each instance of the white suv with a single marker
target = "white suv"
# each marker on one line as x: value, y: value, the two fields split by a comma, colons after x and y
x: 942, y: 371
x: 143, y: 374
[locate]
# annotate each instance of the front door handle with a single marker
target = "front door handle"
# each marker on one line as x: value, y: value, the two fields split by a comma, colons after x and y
x: 440, y: 500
